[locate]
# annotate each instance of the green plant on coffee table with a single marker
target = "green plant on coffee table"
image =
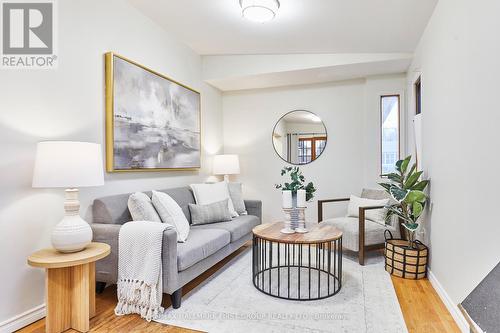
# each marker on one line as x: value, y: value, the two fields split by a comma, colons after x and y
x: 406, y: 187
x: 297, y: 182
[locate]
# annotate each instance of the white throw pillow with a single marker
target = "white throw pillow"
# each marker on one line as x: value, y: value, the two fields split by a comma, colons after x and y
x: 205, y: 194
x: 236, y: 194
x: 375, y: 215
x: 141, y: 208
x: 171, y: 213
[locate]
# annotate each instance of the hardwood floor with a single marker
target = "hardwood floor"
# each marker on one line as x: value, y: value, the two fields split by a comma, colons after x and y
x: 422, y: 309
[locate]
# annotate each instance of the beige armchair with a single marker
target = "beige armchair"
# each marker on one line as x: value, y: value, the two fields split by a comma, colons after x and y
x: 359, y: 234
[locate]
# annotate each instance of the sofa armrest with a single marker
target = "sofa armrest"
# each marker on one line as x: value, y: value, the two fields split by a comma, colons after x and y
x: 169, y: 261
x: 254, y: 207
x: 104, y: 232
x: 107, y: 268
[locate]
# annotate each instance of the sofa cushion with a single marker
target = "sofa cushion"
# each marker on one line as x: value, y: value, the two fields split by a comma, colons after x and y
x: 374, y: 232
x: 209, y: 193
x: 377, y: 194
x: 200, y: 244
x: 238, y: 227
x: 113, y: 209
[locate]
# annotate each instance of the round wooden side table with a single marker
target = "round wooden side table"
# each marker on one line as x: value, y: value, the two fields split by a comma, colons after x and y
x: 299, y: 266
x: 69, y: 286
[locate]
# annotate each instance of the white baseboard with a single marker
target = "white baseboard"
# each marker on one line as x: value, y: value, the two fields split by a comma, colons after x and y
x: 450, y: 305
x: 23, y: 319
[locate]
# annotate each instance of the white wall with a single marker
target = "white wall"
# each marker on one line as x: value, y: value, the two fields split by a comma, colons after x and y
x: 458, y: 58
x: 351, y: 113
x: 68, y: 104
x: 374, y: 88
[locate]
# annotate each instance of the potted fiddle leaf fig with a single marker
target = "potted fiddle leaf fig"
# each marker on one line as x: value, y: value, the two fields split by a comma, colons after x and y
x: 406, y: 187
x: 406, y: 258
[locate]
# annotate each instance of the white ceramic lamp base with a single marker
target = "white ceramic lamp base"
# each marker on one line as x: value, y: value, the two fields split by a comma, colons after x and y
x: 72, y: 234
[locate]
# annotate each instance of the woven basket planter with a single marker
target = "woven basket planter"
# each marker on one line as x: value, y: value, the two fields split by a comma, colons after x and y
x: 403, y: 261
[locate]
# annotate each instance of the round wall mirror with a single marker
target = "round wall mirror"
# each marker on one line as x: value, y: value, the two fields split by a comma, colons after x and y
x: 299, y: 137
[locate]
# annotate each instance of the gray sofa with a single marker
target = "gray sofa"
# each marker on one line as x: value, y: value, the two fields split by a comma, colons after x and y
x: 182, y: 262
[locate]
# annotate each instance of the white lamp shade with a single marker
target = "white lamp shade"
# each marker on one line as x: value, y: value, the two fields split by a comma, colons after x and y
x: 226, y: 165
x: 68, y: 164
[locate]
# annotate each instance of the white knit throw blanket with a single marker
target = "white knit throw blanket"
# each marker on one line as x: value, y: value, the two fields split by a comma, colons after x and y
x: 139, y: 269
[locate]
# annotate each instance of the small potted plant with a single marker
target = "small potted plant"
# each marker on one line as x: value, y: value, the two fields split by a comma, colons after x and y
x: 406, y: 258
x: 295, y: 194
x: 297, y: 183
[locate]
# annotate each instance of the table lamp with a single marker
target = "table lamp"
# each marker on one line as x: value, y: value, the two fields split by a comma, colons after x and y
x: 69, y: 165
x: 226, y: 165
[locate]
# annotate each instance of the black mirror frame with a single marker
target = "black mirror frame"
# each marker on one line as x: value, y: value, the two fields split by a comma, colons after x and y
x: 276, y: 124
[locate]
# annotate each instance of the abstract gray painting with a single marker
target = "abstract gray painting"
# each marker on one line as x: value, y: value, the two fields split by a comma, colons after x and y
x: 156, y: 121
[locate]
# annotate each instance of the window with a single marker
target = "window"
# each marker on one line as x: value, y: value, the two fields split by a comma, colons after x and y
x: 418, y: 96
x: 389, y: 115
x: 320, y: 144
x: 305, y: 151
x: 310, y: 148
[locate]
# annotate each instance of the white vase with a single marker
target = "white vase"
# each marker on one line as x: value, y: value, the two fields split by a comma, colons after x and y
x: 287, y: 201
x: 72, y: 234
x: 301, y: 198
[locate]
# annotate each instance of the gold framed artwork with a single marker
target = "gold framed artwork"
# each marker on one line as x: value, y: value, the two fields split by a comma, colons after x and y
x: 153, y: 123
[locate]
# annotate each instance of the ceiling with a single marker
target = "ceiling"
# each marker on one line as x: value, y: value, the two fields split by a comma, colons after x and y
x: 215, y: 27
x: 241, y: 72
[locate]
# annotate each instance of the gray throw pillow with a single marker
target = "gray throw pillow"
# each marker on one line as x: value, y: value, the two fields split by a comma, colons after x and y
x: 236, y: 194
x: 211, y: 213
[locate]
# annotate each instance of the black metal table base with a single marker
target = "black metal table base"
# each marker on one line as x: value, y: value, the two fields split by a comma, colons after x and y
x: 301, y: 272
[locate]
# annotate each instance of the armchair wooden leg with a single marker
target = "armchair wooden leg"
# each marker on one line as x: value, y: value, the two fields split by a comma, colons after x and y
x: 361, y: 256
x: 361, y: 240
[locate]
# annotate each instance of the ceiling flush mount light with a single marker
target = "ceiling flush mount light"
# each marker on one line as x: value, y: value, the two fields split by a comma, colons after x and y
x: 259, y: 10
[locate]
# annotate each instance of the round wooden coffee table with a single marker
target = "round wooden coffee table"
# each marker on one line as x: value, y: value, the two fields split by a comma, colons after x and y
x: 297, y: 266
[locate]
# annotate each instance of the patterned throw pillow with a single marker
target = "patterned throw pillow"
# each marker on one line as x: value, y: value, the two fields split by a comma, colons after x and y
x: 171, y: 213
x: 211, y: 213
x: 141, y: 208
